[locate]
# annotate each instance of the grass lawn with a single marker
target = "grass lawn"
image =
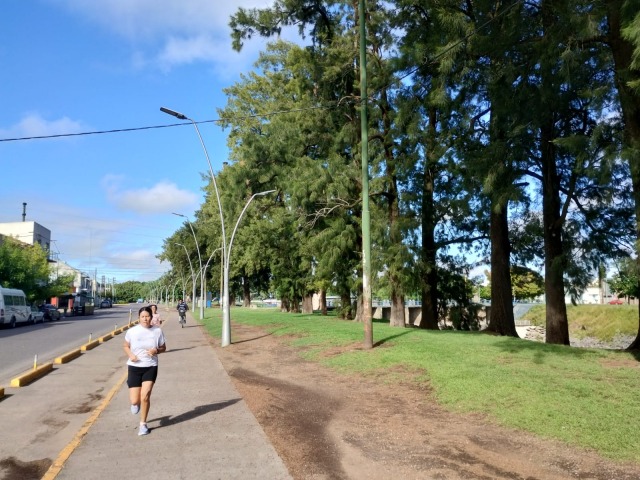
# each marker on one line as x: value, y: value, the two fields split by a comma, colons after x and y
x: 599, y: 321
x: 585, y: 397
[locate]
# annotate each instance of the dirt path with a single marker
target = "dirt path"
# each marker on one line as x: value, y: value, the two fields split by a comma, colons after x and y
x: 330, y: 426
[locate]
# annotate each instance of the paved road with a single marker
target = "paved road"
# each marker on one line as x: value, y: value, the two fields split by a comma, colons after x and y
x: 75, y: 423
x: 19, y: 346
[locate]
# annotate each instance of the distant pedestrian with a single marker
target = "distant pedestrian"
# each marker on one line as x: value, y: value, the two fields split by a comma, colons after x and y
x: 142, y: 344
x: 156, y: 321
x: 182, y: 308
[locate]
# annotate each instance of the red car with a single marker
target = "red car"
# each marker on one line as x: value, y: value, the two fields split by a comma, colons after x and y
x: 616, y: 301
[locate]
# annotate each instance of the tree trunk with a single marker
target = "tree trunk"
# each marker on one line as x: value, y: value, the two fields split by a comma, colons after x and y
x: 295, y: 304
x: 358, y: 308
x: 397, y: 310
x: 345, y: 303
x: 246, y: 293
x: 284, y: 304
x: 397, y: 318
x: 556, y: 308
x: 622, y: 51
x: 323, y: 301
x: 428, y: 254
x: 501, y: 319
x: 307, y: 304
x: 553, y: 222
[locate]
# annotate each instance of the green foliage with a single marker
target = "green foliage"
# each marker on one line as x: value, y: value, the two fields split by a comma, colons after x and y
x: 535, y: 380
x: 24, y: 267
x: 484, y: 292
x: 131, y: 290
x: 465, y: 115
x: 526, y: 283
x: 61, y: 285
x: 626, y: 283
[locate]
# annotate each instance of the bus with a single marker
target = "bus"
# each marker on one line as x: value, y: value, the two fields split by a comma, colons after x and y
x: 83, y: 304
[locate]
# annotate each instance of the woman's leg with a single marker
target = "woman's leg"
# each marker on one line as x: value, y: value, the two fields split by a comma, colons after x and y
x: 134, y: 395
x: 145, y: 398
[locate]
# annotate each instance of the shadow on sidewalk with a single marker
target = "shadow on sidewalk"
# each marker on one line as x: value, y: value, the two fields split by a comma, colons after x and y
x: 177, y: 350
x: 196, y: 412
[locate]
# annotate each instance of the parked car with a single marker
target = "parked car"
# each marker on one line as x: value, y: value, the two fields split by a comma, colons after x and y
x: 140, y: 301
x: 616, y: 301
x: 106, y: 303
x: 36, y: 314
x: 51, y: 312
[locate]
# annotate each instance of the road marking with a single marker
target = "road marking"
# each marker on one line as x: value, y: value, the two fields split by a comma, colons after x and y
x: 66, y: 452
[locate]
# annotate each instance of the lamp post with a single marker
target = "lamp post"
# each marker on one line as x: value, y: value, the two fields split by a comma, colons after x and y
x: 193, y: 275
x: 195, y: 239
x: 204, y: 271
x: 366, y: 216
x: 226, y: 313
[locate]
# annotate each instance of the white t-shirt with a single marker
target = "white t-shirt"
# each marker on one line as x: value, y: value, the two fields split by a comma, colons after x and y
x: 140, y: 340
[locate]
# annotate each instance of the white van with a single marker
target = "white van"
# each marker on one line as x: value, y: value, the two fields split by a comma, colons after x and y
x: 13, y: 307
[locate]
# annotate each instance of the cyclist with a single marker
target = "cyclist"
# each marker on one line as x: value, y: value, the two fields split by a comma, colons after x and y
x: 182, y: 311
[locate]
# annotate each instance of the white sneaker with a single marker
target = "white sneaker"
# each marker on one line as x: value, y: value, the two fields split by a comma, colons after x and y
x: 135, y: 409
x: 144, y: 430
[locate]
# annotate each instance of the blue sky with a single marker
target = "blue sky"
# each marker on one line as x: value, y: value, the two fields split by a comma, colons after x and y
x: 74, y: 66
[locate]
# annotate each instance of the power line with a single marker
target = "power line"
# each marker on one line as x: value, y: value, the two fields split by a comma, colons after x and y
x: 133, y: 129
x: 329, y: 105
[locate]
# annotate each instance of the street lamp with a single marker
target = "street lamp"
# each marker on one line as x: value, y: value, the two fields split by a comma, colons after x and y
x: 193, y: 275
x: 226, y: 313
x: 204, y: 271
x: 199, y: 261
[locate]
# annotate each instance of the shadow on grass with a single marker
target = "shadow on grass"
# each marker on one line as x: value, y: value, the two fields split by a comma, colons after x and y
x: 542, y: 350
x: 391, y: 337
x: 634, y: 353
x: 268, y: 334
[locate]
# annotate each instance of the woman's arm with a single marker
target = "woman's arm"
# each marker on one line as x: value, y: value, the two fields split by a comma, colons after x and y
x: 127, y: 350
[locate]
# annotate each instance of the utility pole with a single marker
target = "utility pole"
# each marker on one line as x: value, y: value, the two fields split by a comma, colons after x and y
x: 366, y: 219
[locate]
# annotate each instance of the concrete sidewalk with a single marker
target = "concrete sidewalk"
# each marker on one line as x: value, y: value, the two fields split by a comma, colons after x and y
x: 200, y: 426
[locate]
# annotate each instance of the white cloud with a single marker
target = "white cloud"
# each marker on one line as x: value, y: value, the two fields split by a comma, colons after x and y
x: 189, y: 49
x: 151, y: 18
x: 162, y: 198
x: 149, y: 267
x: 178, y: 31
x: 34, y: 125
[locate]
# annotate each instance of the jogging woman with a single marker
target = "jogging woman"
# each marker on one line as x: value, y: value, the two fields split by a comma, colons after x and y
x: 142, y: 344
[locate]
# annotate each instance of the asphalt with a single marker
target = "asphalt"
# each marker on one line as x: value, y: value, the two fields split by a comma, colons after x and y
x: 200, y: 426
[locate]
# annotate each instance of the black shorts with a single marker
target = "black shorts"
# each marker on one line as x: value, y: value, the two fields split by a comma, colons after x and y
x: 137, y: 375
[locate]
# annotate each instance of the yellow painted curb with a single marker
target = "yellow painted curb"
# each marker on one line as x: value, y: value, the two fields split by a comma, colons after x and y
x: 59, y: 462
x: 28, y: 377
x: 103, y: 339
x: 67, y: 357
x: 90, y: 345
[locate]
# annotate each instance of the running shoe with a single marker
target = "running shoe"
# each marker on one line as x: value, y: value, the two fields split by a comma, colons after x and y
x: 144, y: 430
x: 135, y: 409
